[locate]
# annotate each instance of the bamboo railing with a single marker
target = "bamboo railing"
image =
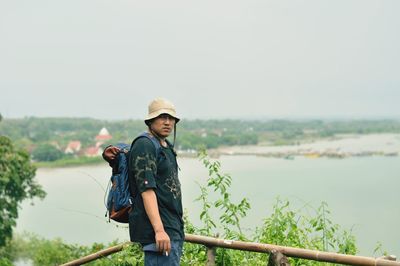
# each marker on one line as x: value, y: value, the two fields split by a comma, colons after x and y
x: 211, y: 243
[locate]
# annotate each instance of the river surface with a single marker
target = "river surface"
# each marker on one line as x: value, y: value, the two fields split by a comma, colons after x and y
x: 362, y: 194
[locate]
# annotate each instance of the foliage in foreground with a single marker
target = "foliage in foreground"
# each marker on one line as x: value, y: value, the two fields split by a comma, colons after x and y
x: 16, y: 184
x: 284, y: 226
x: 220, y: 217
x: 45, y: 252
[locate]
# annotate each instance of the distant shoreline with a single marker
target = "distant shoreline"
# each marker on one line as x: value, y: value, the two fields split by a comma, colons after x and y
x: 341, y: 146
x: 70, y: 162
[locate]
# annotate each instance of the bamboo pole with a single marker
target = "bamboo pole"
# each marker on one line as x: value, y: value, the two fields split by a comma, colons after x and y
x: 290, y: 251
x: 211, y: 242
x: 100, y: 254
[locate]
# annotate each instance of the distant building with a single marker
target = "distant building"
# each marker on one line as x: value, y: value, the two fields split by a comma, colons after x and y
x: 73, y: 147
x: 93, y: 151
x: 103, y: 135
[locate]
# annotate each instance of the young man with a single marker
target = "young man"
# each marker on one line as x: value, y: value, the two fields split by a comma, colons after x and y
x: 156, y: 219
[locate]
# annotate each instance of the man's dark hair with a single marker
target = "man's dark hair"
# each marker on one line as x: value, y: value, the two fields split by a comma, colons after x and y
x: 148, y: 122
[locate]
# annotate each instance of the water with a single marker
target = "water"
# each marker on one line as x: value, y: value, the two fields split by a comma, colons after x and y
x: 362, y: 193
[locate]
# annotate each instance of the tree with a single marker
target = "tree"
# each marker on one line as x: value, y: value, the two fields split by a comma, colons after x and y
x: 47, y: 152
x: 16, y: 184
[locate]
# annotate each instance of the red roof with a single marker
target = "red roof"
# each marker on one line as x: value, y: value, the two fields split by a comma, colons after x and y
x: 103, y: 137
x: 103, y: 134
x: 92, y: 151
x: 74, y: 145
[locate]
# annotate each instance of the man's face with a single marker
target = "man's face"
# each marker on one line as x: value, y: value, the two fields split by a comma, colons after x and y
x: 163, y: 125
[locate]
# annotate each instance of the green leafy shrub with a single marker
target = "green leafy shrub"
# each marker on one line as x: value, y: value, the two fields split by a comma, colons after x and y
x: 44, y: 252
x: 284, y: 227
x: 315, y: 231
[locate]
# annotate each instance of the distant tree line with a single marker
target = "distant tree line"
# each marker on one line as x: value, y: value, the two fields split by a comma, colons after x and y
x: 45, y: 138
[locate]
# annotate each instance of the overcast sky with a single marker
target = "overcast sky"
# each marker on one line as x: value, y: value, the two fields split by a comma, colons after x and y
x: 213, y: 59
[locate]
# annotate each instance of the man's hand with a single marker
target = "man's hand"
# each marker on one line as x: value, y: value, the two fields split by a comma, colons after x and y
x: 163, y: 243
x: 110, y: 153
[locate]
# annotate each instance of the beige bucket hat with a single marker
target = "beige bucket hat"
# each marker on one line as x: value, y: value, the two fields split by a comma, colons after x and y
x: 161, y: 106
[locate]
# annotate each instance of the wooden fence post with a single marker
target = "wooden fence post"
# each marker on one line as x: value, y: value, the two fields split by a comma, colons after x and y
x: 277, y: 259
x: 211, y: 254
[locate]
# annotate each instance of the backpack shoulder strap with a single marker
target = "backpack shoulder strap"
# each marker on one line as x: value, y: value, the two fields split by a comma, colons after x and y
x: 153, y: 139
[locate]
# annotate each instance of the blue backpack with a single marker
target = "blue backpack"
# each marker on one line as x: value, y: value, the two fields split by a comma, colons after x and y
x: 119, y: 199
